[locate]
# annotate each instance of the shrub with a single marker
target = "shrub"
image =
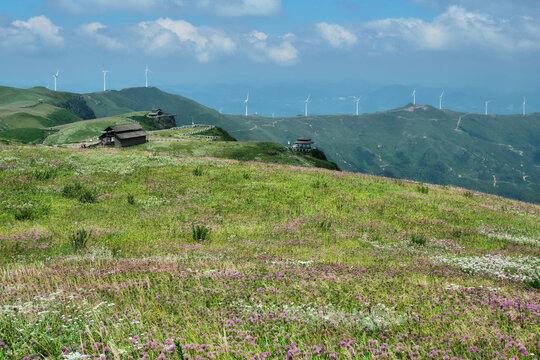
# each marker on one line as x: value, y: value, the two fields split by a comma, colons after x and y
x: 80, y: 192
x: 131, y: 199
x: 324, y: 225
x: 246, y: 176
x: 422, y: 188
x: 200, y: 233
x: 80, y: 239
x: 468, y: 194
x: 29, y: 211
x: 418, y: 239
x: 319, y: 182
x: 44, y: 174
x: 198, y: 171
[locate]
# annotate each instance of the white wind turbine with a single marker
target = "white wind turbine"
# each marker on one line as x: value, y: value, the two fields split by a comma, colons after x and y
x: 486, y: 104
x: 55, y: 76
x: 440, y: 100
x: 105, y: 79
x: 306, y: 104
x: 246, y: 102
x: 146, y: 71
x: 414, y: 97
x: 357, y: 100
x: 524, y: 104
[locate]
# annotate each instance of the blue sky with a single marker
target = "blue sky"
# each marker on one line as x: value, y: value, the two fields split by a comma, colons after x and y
x: 437, y: 43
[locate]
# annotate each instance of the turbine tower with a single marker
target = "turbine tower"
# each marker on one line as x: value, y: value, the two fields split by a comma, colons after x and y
x: 486, y: 103
x: 524, y: 104
x: 55, y: 76
x: 146, y: 71
x: 357, y: 100
x: 105, y: 79
x: 246, y: 101
x: 440, y: 100
x: 414, y: 97
x: 306, y: 104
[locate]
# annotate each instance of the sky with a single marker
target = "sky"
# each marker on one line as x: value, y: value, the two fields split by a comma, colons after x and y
x: 487, y: 44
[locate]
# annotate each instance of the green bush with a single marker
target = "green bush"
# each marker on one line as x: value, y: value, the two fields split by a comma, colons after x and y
x: 319, y: 182
x: 80, y: 239
x: 418, y: 239
x: 200, y: 233
x: 421, y: 188
x: 78, y: 191
x: 29, y: 211
x: 198, y: 171
x: 44, y: 174
x: 131, y: 199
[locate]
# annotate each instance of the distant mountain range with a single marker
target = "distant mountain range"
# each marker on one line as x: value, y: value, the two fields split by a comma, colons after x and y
x: 498, y: 154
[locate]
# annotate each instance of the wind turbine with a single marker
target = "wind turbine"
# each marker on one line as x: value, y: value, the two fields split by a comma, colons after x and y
x: 246, y: 101
x: 486, y: 103
x: 524, y: 103
x: 55, y: 76
x: 105, y: 79
x: 356, y: 100
x: 440, y: 100
x: 306, y: 103
x: 146, y: 71
x: 414, y: 97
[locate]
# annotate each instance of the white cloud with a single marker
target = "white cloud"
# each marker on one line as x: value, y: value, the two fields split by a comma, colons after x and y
x: 165, y: 36
x: 216, y: 7
x: 336, y: 35
x: 456, y: 28
x: 92, y: 30
x: 37, y: 33
x: 279, y: 50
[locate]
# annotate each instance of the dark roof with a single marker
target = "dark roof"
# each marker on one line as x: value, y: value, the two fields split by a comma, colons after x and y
x: 124, y: 127
x: 304, y: 140
x: 130, y: 135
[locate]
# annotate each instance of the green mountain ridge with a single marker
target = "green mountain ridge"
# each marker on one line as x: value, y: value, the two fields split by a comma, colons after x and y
x: 496, y: 154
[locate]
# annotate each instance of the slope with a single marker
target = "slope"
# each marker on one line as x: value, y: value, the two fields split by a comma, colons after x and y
x: 131, y: 254
x: 495, y: 154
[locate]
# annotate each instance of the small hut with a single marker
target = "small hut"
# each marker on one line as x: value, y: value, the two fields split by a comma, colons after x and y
x: 156, y: 112
x: 123, y: 135
x: 303, y: 144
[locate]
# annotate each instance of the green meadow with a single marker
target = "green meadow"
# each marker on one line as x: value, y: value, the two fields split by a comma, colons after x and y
x: 154, y: 253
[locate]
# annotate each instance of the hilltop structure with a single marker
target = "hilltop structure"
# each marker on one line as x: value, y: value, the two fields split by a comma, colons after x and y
x: 161, y: 120
x: 303, y: 144
x: 123, y: 135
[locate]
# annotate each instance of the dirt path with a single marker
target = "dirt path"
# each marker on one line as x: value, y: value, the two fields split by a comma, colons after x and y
x: 459, y: 121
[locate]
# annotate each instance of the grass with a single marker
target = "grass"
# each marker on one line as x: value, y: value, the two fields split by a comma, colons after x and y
x: 243, y: 151
x: 290, y: 269
x: 82, y: 131
x: 30, y: 135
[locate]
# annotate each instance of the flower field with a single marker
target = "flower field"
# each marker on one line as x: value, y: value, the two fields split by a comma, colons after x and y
x: 108, y: 254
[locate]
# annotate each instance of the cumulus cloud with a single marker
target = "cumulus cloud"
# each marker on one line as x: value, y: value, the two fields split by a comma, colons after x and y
x: 216, y: 7
x: 279, y: 50
x: 92, y: 30
x: 35, y: 34
x: 165, y: 36
x: 336, y: 35
x: 456, y: 28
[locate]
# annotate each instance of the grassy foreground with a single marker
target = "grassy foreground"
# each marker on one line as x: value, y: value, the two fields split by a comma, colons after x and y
x: 142, y: 255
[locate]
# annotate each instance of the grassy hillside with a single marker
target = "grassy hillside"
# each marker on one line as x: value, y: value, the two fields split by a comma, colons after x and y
x: 129, y: 254
x: 140, y: 99
x: 82, y: 131
x: 74, y: 103
x: 39, y: 116
x: 265, y: 152
x: 495, y: 154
